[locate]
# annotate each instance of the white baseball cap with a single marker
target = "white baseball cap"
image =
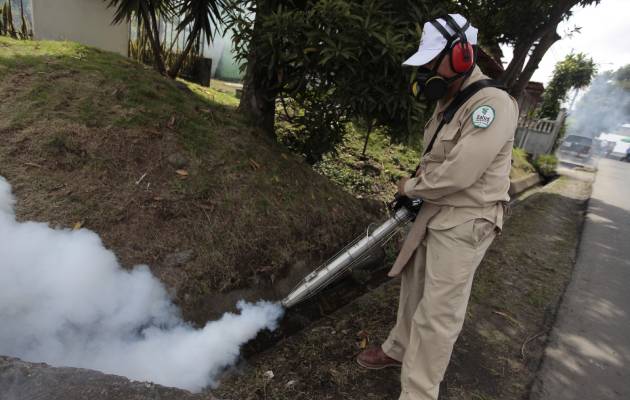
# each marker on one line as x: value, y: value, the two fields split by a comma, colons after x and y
x: 433, y: 42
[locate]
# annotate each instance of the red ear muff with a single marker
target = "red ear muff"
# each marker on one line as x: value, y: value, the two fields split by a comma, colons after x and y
x: 462, y: 57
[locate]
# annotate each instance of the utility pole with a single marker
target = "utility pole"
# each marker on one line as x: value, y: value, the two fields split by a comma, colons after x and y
x: 575, y: 95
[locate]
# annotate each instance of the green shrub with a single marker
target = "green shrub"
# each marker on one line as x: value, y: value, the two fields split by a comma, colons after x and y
x: 519, y: 160
x: 314, y: 130
x: 520, y: 164
x: 546, y: 165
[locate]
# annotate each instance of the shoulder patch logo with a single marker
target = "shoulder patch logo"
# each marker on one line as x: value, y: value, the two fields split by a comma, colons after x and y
x: 483, y: 116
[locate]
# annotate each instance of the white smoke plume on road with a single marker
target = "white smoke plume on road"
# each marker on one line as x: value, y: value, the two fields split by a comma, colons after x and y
x: 604, y: 107
x: 65, y: 300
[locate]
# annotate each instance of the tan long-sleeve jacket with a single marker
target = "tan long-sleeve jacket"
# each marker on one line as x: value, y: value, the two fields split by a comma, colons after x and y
x: 467, y: 173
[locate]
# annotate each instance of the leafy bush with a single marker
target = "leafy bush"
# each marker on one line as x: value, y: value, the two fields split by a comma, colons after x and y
x: 314, y: 131
x: 346, y: 53
x: 575, y: 71
x: 520, y: 164
x: 546, y: 165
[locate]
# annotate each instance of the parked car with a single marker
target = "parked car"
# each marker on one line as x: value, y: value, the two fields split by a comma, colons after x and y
x: 619, y: 145
x: 576, y: 149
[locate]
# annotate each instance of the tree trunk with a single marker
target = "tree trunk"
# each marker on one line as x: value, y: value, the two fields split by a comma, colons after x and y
x: 519, y: 56
x: 8, y: 13
x: 258, y: 100
x: 174, y: 71
x: 23, y: 28
x: 521, y: 50
x: 154, y: 37
x: 541, y: 48
x: 367, y: 138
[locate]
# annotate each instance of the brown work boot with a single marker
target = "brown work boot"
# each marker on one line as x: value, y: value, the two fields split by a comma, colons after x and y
x: 375, y: 358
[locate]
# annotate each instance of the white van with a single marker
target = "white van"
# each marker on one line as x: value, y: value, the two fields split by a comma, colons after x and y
x: 622, y: 144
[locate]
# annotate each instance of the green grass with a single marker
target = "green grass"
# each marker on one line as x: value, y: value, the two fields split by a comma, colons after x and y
x: 214, y: 94
x: 521, y: 167
x: 374, y: 176
x: 546, y: 165
x: 114, y: 92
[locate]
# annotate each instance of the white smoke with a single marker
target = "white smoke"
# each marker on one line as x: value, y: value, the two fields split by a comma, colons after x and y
x: 604, y: 107
x: 65, y: 300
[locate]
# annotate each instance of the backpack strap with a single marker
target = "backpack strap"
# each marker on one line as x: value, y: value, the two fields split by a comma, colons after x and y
x: 461, y: 98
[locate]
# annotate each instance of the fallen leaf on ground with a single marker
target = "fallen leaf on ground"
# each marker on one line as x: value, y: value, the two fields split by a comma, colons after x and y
x: 254, y: 164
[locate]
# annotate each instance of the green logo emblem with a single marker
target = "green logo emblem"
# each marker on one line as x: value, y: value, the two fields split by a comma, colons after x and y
x: 483, y: 116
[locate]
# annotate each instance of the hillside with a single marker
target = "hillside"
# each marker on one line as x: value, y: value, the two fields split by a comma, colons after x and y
x: 168, y: 173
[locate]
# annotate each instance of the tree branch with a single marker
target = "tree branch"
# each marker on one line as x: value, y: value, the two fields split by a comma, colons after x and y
x: 154, y: 35
x: 534, y: 60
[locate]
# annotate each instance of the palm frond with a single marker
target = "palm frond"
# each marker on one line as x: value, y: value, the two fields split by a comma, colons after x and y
x: 126, y: 10
x: 206, y: 15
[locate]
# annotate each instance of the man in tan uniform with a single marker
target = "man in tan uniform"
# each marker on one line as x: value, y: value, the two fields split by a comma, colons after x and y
x: 463, y: 180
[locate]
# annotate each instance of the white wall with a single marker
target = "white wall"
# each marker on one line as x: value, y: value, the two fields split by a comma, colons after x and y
x: 84, y: 21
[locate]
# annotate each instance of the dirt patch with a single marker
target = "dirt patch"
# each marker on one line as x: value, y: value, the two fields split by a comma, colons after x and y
x: 513, y: 305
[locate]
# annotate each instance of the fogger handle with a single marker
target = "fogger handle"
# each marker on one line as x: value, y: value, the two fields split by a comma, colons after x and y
x: 400, y: 200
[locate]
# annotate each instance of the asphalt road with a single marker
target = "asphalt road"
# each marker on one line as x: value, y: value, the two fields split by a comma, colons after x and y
x: 588, y: 356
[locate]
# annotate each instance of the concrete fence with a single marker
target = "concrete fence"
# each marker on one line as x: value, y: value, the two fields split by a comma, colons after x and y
x: 537, y: 136
x: 85, y: 21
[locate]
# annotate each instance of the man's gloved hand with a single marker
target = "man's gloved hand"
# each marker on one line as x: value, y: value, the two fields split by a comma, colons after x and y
x: 401, y: 200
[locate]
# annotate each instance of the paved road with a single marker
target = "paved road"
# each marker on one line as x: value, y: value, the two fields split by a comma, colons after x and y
x: 589, y: 353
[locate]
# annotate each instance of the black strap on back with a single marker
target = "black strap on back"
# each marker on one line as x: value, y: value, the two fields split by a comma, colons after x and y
x: 459, y: 100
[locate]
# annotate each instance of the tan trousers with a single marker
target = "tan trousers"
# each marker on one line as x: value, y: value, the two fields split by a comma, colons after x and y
x: 434, y: 294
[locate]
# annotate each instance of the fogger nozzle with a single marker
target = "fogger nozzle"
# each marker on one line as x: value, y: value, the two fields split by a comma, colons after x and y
x: 344, y: 260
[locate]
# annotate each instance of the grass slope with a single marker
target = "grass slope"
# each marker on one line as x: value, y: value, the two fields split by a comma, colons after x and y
x: 168, y: 173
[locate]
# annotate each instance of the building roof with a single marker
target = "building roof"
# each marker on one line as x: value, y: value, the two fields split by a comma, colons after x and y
x: 535, y: 87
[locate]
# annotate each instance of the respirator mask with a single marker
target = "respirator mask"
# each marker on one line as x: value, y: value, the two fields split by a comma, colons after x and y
x: 432, y: 85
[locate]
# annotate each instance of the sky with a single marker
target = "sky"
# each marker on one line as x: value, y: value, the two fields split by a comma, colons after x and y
x: 604, y: 37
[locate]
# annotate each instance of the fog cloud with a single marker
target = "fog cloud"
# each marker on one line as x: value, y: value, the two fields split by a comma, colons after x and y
x: 66, y: 301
